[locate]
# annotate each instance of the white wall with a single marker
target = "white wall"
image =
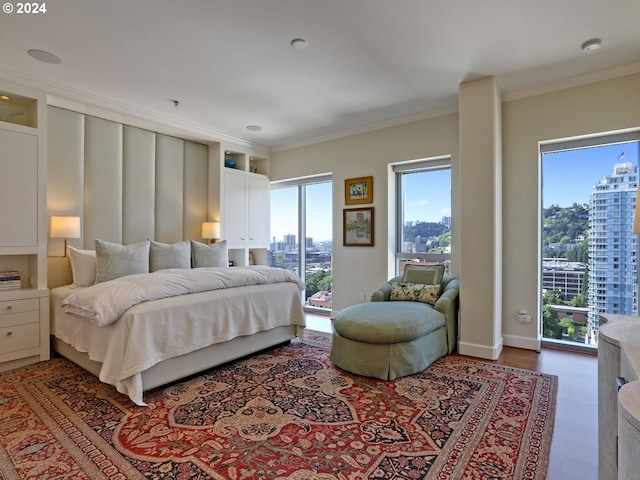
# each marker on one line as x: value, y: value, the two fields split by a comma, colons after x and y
x: 603, y: 106
x: 363, y: 269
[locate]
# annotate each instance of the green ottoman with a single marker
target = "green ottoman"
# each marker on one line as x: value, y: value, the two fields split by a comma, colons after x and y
x: 387, y: 340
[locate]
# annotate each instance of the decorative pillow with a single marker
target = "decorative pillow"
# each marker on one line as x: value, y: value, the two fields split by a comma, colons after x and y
x: 415, y: 292
x: 165, y: 255
x: 212, y: 255
x: 83, y: 266
x: 427, y: 274
x: 116, y: 260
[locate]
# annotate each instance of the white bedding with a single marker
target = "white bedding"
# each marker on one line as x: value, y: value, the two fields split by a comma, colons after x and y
x: 104, y: 303
x: 156, y: 330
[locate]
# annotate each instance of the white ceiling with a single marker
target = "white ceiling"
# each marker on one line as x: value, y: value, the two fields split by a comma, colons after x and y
x: 230, y: 64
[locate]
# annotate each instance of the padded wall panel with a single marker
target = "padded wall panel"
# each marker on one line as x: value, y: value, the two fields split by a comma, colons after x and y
x: 65, y: 170
x: 196, y: 158
x: 138, y: 184
x: 102, y: 181
x: 169, y: 188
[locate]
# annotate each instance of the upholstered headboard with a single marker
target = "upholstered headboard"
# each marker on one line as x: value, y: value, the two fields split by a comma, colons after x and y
x: 125, y: 183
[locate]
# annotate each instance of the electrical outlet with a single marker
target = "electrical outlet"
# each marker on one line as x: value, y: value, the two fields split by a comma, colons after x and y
x: 524, y: 317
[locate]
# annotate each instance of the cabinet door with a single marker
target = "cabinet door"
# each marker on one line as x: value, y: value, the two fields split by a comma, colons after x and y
x: 259, y: 212
x: 234, y: 221
x: 18, y: 189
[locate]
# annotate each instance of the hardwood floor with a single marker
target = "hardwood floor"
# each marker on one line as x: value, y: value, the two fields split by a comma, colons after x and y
x: 574, y: 445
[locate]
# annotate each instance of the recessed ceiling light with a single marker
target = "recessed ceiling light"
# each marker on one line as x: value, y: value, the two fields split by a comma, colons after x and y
x: 299, y: 43
x: 254, y: 128
x: 592, y: 45
x: 46, y: 57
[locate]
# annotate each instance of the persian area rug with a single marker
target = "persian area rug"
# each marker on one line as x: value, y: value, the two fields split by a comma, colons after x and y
x: 286, y: 413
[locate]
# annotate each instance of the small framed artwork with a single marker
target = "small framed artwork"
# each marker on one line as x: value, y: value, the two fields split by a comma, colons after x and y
x: 357, y: 227
x: 358, y: 190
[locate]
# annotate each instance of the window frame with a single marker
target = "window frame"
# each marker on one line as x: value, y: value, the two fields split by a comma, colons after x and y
x: 400, y: 170
x: 301, y: 184
x: 558, y: 146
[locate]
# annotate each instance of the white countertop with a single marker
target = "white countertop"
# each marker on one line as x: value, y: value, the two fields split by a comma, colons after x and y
x: 624, y: 331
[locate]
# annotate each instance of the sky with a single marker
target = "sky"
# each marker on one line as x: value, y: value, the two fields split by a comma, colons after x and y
x: 568, y: 177
x: 284, y: 212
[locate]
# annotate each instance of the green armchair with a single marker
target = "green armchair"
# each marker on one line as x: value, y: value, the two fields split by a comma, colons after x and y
x: 447, y: 304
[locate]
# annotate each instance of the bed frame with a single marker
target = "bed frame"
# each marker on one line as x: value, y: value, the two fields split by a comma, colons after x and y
x: 177, y: 368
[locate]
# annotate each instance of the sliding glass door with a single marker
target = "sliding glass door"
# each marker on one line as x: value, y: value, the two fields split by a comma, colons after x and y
x: 301, y: 235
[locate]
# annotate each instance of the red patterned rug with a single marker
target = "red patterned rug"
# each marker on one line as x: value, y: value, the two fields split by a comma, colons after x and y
x: 287, y: 413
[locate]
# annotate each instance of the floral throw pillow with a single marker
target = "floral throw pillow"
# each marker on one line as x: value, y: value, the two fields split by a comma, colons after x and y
x: 415, y: 292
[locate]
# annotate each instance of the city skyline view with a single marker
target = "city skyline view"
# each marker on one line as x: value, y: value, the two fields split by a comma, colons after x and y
x: 284, y: 212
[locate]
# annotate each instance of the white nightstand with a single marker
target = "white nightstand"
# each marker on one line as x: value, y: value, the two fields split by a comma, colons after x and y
x: 24, y: 327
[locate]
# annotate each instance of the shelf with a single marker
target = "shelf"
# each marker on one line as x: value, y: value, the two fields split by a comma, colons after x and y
x: 18, y: 110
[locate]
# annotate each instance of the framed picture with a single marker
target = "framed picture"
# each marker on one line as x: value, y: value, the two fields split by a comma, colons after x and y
x: 357, y: 227
x: 358, y: 190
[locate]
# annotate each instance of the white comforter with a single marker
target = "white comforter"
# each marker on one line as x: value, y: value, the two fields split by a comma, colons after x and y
x: 104, y: 303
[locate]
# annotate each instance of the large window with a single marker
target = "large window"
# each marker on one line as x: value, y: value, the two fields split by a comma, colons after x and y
x: 424, y: 212
x: 589, y: 250
x: 301, y: 235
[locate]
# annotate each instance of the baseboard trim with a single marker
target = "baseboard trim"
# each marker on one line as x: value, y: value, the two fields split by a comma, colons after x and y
x: 480, y: 351
x: 517, y: 341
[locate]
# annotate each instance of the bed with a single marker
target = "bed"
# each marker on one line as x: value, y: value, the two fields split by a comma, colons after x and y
x: 136, y: 337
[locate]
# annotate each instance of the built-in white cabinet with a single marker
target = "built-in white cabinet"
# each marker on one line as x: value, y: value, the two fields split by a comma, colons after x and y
x: 242, y: 182
x: 258, y: 212
x: 24, y: 298
x: 18, y: 189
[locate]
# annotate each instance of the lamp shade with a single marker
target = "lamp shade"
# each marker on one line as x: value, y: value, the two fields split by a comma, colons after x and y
x: 211, y: 230
x: 65, y: 227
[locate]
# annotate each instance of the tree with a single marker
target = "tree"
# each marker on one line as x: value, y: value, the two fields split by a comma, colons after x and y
x: 552, y: 297
x: 562, y: 227
x: 550, y: 326
x: 579, y: 253
x: 424, y: 230
x: 317, y: 282
x: 580, y: 300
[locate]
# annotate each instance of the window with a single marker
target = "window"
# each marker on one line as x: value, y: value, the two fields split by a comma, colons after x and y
x: 423, y: 229
x: 588, y: 203
x: 302, y: 235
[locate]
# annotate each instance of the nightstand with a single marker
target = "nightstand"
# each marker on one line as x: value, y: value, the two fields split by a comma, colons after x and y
x: 24, y: 327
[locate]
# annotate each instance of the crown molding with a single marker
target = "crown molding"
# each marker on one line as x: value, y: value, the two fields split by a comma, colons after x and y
x: 416, y: 117
x: 62, y: 96
x: 602, y: 75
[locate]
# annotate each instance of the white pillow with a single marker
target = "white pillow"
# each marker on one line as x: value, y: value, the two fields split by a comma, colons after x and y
x: 83, y: 266
x: 116, y: 260
x: 165, y: 255
x: 213, y: 255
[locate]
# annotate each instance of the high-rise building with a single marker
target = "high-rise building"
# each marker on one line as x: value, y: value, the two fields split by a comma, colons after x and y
x: 563, y: 276
x: 613, y: 248
x: 290, y: 240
